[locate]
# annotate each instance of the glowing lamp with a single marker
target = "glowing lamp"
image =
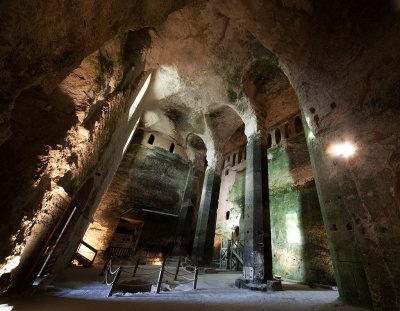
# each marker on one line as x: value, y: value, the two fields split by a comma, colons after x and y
x: 344, y: 150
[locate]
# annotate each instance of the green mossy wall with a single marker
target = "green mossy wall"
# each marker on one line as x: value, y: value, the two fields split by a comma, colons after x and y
x: 299, y: 242
x: 157, y: 181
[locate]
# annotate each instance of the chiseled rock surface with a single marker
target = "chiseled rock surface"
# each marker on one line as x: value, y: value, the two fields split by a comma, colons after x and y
x: 341, y: 59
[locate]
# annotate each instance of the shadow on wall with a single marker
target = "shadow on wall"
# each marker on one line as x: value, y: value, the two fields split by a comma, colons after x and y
x: 315, y: 251
x: 315, y: 255
x: 39, y: 123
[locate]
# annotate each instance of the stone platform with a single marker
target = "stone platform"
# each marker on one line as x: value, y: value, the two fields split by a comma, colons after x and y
x: 270, y: 285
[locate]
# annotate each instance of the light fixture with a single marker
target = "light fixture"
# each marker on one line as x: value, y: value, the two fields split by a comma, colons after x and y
x: 343, y: 150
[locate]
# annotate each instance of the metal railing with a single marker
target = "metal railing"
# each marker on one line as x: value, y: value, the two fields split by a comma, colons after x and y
x: 180, y: 275
x: 231, y: 255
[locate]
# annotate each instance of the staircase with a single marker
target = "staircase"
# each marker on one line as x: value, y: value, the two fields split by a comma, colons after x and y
x: 231, y: 255
x: 237, y: 251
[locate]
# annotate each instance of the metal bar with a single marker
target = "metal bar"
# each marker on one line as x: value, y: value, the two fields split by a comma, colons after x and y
x: 196, y: 273
x: 105, y: 267
x: 230, y: 254
x: 114, y: 283
x: 58, y: 240
x: 136, y: 267
x: 177, y: 269
x: 31, y: 275
x: 159, y: 212
x: 160, y: 276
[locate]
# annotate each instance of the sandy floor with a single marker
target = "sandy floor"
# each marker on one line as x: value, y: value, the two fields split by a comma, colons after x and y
x: 81, y: 289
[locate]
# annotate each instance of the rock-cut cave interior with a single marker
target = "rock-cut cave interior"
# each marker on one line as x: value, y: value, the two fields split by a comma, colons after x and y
x: 200, y: 154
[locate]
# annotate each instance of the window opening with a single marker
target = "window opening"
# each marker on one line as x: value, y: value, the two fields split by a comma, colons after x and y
x: 269, y: 141
x: 298, y: 126
x: 288, y: 130
x: 151, y: 139
x: 277, y: 136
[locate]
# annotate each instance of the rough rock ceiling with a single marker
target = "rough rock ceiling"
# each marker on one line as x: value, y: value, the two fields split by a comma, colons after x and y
x: 198, y: 55
x: 200, y: 58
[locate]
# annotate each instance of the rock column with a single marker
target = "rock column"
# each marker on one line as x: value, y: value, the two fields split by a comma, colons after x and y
x: 205, y: 229
x: 257, y: 265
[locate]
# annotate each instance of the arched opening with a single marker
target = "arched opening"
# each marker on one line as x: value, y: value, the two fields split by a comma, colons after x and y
x: 236, y: 234
x: 230, y: 131
x: 278, y: 112
x: 172, y: 148
x: 298, y: 126
x: 318, y: 82
x: 151, y: 139
x: 277, y: 136
x: 196, y: 151
x: 288, y: 130
x: 269, y: 141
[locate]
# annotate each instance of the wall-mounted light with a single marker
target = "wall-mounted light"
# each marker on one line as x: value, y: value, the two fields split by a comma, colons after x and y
x: 343, y: 150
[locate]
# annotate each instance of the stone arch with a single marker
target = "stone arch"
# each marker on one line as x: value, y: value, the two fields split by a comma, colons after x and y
x: 196, y: 150
x: 288, y: 130
x: 273, y: 33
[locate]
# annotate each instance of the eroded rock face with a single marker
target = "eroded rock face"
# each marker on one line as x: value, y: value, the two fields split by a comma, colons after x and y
x: 60, y: 140
x: 340, y: 58
x: 336, y: 70
x: 43, y: 42
x: 149, y: 187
